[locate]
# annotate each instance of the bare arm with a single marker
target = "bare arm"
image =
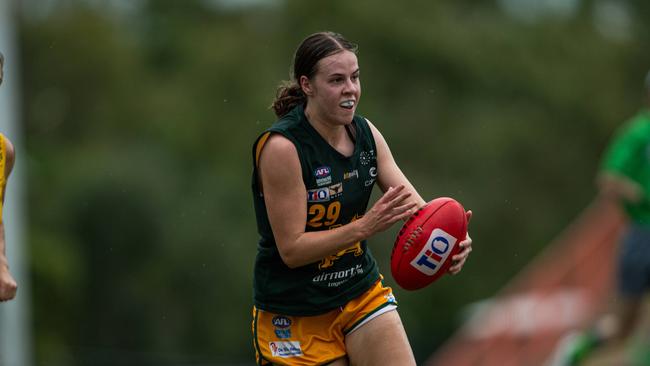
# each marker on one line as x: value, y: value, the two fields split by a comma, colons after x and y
x: 8, y: 285
x: 285, y: 196
x: 390, y: 175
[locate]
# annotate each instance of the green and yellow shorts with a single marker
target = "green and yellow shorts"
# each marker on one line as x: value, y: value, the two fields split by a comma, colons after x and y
x: 315, y: 340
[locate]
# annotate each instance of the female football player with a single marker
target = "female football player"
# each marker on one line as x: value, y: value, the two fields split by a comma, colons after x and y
x: 7, y: 283
x: 318, y: 296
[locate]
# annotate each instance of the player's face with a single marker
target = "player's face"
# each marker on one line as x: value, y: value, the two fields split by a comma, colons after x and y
x: 335, y: 90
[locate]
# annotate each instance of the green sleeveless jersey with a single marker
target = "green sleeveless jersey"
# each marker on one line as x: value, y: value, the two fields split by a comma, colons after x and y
x: 338, y: 191
x: 629, y: 155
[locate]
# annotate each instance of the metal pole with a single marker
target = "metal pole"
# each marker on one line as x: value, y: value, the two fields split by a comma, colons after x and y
x: 15, y: 332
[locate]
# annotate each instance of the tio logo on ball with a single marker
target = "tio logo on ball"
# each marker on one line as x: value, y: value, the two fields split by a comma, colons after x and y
x: 434, y: 253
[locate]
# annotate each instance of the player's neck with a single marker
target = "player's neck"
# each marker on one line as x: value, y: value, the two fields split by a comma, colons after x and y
x: 333, y: 133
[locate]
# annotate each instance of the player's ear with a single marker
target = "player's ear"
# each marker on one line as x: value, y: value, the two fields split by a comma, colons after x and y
x: 305, y: 85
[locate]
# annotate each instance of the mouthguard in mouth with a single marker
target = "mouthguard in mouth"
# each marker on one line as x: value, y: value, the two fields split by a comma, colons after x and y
x: 347, y: 104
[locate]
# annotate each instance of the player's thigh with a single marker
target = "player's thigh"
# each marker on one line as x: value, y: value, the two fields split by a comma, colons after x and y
x: 343, y: 361
x: 381, y: 341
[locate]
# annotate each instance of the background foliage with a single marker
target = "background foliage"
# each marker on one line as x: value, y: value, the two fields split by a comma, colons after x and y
x: 139, y: 117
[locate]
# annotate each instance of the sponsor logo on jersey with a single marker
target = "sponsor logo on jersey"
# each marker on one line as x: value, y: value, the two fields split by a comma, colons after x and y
x: 335, y: 190
x: 323, y: 181
x: 285, y: 349
x: 338, y: 278
x: 373, y: 175
x: 434, y: 252
x: 367, y: 156
x: 350, y: 175
x: 318, y: 195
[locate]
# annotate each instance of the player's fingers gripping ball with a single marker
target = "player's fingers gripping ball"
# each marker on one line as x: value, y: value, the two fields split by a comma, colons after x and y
x: 427, y: 242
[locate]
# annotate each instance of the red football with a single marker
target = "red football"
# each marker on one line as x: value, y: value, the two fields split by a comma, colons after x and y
x: 427, y: 241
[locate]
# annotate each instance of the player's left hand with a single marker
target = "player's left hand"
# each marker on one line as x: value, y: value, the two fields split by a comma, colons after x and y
x: 458, y: 261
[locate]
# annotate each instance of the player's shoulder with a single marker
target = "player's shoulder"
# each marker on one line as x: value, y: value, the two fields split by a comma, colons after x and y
x: 363, y: 120
x: 279, y: 162
x: 279, y: 142
x: 374, y: 131
x: 278, y: 147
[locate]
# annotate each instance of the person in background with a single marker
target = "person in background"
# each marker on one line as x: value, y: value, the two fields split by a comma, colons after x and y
x: 624, y: 179
x: 318, y: 294
x: 8, y: 285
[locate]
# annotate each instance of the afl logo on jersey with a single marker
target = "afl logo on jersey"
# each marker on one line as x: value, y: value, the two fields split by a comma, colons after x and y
x: 323, y: 175
x: 322, y: 172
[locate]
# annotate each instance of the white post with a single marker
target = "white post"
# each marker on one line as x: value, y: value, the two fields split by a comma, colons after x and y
x: 15, y: 332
